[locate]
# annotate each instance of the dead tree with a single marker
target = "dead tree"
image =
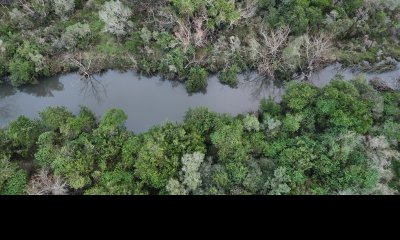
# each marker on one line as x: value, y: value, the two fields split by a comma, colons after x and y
x: 316, y: 49
x: 45, y: 183
x: 84, y: 69
x: 270, y: 53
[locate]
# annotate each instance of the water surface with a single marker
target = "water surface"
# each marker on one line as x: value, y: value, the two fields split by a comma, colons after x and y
x: 149, y: 101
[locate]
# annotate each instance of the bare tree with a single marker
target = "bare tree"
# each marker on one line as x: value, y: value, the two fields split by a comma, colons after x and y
x: 45, y: 183
x: 183, y: 33
x: 270, y: 53
x: 248, y: 8
x: 316, y: 49
x: 84, y: 69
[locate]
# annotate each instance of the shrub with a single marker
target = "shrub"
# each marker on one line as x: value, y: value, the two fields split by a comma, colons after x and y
x: 73, y: 35
x: 229, y: 77
x: 116, y: 17
x: 63, y: 7
x: 251, y: 123
x: 197, y: 80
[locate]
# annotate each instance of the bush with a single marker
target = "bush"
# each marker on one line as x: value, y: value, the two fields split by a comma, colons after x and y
x: 13, y: 180
x: 229, y: 77
x: 251, y: 123
x: 197, y: 81
x: 63, y: 7
x: 116, y: 17
x: 73, y: 36
x: 27, y: 64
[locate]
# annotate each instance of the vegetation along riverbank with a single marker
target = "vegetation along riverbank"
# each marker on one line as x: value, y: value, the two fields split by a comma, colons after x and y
x: 186, y: 40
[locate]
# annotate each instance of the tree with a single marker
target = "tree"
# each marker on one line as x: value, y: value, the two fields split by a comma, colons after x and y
x: 55, y: 117
x: 230, y: 143
x: 197, y: 80
x: 116, y: 17
x: 251, y: 123
x: 45, y: 183
x: 13, y: 180
x: 158, y: 159
x: 27, y: 64
x: 340, y: 106
x: 63, y: 7
x: 24, y: 133
x: 190, y: 170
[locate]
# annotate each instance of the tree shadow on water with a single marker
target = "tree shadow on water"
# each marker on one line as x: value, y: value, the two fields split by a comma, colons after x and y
x: 44, y: 88
x: 93, y: 88
x: 6, y: 110
x: 262, y: 87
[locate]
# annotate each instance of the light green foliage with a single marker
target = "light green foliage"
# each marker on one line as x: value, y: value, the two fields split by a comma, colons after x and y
x: 116, y: 17
x: 113, y: 120
x: 73, y: 36
x: 291, y: 123
x: 63, y: 7
x: 190, y: 170
x: 230, y: 143
x: 218, y: 12
x: 300, y: 96
x: 16, y: 184
x: 117, y: 182
x: 75, y: 162
x: 270, y: 106
x: 174, y: 187
x: 279, y: 183
x: 201, y: 119
x: 251, y: 123
x: 47, y: 150
x: 84, y: 122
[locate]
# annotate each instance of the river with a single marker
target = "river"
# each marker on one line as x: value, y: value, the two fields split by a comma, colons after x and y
x: 149, y: 101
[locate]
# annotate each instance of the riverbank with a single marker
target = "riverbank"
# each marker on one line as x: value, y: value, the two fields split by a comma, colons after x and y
x: 188, y: 42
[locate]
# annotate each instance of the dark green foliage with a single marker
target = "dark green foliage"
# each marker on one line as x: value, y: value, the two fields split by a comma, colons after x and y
x: 197, y: 81
x: 55, y: 117
x: 340, y: 106
x: 229, y: 77
x: 158, y: 159
x: 23, y: 134
x: 27, y: 64
x: 13, y: 180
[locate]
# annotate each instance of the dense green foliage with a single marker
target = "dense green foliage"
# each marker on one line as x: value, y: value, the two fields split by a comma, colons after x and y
x: 339, y: 139
x: 187, y: 39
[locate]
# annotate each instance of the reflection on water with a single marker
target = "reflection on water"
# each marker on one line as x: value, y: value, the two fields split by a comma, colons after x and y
x: 149, y: 101
x: 44, y: 90
x: 92, y: 88
x: 6, y: 91
x: 6, y: 110
x: 261, y: 87
x: 324, y: 76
